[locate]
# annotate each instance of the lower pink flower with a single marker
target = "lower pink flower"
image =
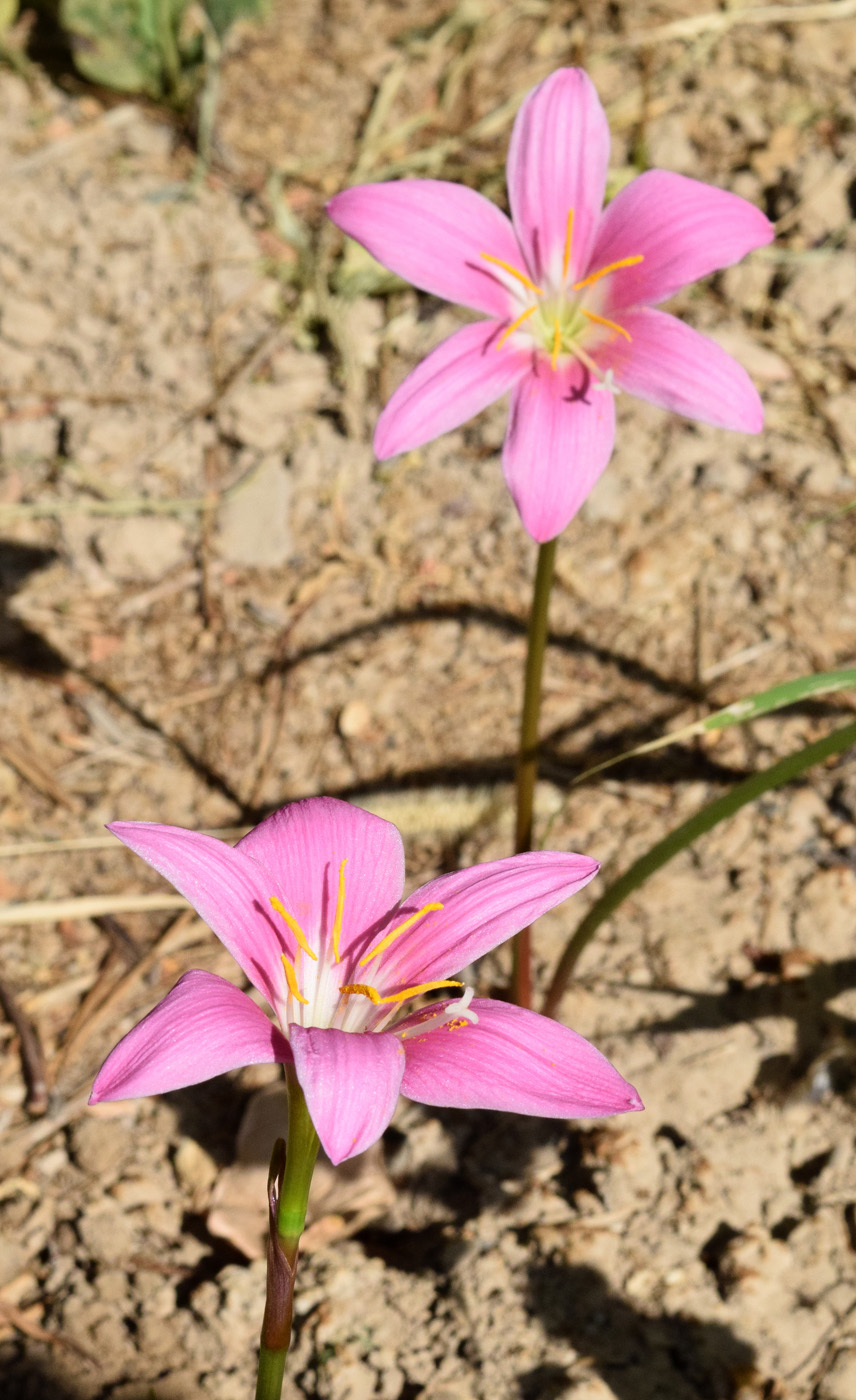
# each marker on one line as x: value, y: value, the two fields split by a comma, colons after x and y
x: 309, y: 904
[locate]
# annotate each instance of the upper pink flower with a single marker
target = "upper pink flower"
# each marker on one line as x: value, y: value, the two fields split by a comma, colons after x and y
x: 309, y: 903
x: 568, y: 289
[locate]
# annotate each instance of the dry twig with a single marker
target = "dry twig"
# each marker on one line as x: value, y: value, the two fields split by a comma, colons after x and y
x: 722, y: 20
x: 26, y: 764
x: 32, y: 1055
x: 75, y: 140
x: 61, y: 845
x: 87, y: 906
x: 23, y: 1322
x: 101, y: 1000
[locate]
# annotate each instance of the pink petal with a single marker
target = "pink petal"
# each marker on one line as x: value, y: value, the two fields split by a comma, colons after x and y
x: 302, y: 847
x: 557, y: 161
x: 512, y: 1060
x: 351, y: 1082
x: 684, y: 230
x: 670, y: 364
x: 482, y: 906
x: 432, y: 233
x: 458, y: 379
x: 560, y: 437
x: 227, y: 889
x: 202, y: 1028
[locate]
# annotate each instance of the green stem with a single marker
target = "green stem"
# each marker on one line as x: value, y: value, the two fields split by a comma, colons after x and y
x: 684, y: 835
x: 299, y: 1166
x: 527, y: 758
x: 168, y: 47
x: 288, y: 1193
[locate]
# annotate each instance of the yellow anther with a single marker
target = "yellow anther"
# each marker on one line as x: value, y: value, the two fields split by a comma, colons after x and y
x: 513, y: 272
x: 604, y: 271
x: 280, y: 908
x: 513, y: 327
x: 340, y: 910
x: 362, y: 989
x: 603, y: 321
x: 375, y: 997
x: 557, y: 343
x: 569, y: 240
x: 399, y: 929
x: 291, y: 979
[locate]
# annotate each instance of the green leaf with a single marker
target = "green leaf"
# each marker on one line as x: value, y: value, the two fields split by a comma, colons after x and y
x: 130, y: 45
x: 683, y: 836
x: 148, y: 46
x: 223, y: 13
x: 8, y: 14
x: 742, y: 712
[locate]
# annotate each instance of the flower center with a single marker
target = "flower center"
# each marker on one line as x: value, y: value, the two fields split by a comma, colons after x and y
x: 314, y: 979
x: 556, y: 319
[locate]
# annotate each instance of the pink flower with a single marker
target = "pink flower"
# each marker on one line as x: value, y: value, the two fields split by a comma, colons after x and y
x: 569, y: 290
x: 309, y: 904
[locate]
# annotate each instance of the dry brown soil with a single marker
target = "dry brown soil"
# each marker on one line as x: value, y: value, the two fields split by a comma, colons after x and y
x: 215, y: 600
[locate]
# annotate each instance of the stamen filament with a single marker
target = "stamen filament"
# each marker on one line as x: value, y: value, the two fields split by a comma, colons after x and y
x: 509, y: 330
x: 557, y: 343
x: 513, y: 272
x: 603, y: 321
x: 604, y: 271
x: 569, y: 238
x: 401, y: 928
x: 340, y: 910
x: 375, y: 997
x: 291, y: 979
x: 584, y: 358
x: 280, y: 908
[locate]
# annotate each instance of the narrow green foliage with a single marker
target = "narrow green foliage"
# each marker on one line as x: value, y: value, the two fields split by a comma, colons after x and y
x: 224, y: 13
x: 130, y: 45
x: 8, y: 14
x: 682, y: 837
x: 742, y: 712
x: 155, y: 47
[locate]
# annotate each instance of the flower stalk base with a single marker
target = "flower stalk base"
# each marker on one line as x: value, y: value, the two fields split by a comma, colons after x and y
x: 289, y: 1180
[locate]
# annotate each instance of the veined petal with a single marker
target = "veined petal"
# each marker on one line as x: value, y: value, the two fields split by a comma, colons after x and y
x: 202, y: 1028
x: 301, y: 848
x: 670, y: 364
x: 351, y: 1082
x: 560, y: 437
x: 557, y: 161
x: 512, y: 1060
x: 227, y: 889
x: 458, y: 379
x: 683, y: 230
x: 433, y: 233
x: 482, y: 906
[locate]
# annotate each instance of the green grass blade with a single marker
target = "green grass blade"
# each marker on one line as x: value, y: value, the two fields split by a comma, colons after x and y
x: 8, y: 14
x: 834, y: 514
x: 683, y: 836
x: 741, y: 712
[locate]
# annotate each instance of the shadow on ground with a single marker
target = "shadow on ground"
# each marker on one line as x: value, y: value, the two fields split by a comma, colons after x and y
x: 822, y: 1033
x: 20, y: 647
x: 28, y: 1377
x: 640, y: 1357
